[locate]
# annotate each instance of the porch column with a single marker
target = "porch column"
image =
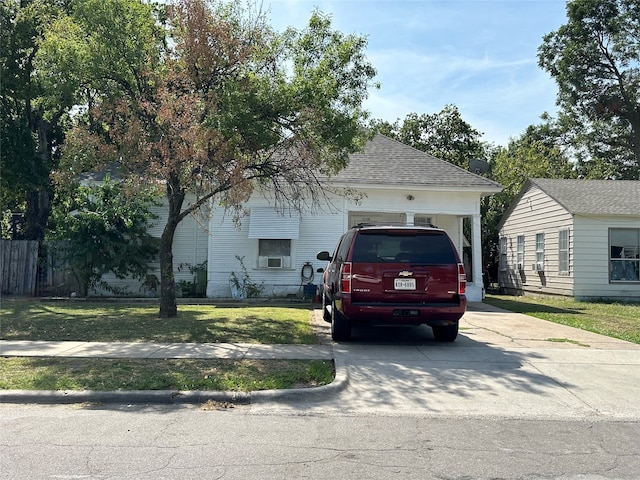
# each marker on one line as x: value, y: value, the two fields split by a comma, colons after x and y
x: 410, y: 218
x: 476, y: 245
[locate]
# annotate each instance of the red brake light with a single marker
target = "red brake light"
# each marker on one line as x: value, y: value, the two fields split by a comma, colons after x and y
x: 462, y: 279
x: 345, y: 277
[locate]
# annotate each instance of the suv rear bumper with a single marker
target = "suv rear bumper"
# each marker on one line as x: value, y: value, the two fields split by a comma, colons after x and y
x: 435, y: 314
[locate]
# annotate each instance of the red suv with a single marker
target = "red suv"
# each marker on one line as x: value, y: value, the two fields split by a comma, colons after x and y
x: 394, y: 275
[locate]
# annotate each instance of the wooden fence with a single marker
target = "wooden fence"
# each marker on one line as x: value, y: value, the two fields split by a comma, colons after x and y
x: 19, y: 266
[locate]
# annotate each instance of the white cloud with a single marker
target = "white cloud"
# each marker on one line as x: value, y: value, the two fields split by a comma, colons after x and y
x: 477, y: 54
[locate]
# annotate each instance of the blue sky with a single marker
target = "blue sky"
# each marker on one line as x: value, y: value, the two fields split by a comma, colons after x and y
x: 480, y: 55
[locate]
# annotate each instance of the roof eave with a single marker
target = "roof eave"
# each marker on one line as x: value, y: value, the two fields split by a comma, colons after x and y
x: 483, y: 190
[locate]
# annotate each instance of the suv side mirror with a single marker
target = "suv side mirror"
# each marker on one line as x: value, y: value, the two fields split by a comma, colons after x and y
x: 324, y: 256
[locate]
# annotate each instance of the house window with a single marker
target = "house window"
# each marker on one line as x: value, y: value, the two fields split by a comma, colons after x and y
x: 624, y: 256
x: 274, y: 253
x: 540, y: 252
x: 503, y: 253
x: 520, y: 252
x: 563, y: 251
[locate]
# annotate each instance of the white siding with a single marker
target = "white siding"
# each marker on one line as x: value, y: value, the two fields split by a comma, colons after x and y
x: 190, y: 246
x: 536, y: 213
x: 321, y: 231
x: 226, y: 241
x: 592, y: 259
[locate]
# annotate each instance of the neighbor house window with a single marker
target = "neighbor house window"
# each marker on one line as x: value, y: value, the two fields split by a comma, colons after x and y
x: 520, y: 252
x: 624, y: 256
x: 563, y: 251
x: 540, y: 251
x: 503, y: 253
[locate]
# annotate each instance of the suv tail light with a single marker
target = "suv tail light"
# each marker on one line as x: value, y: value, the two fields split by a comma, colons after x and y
x: 345, y: 277
x: 462, y: 279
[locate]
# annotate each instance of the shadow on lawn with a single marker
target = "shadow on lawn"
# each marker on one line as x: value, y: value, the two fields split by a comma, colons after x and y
x: 527, y: 308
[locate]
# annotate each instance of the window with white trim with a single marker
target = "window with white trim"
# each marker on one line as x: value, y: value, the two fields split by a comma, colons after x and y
x: 503, y: 253
x: 563, y: 251
x: 274, y: 253
x: 520, y: 252
x: 540, y: 252
x: 624, y: 254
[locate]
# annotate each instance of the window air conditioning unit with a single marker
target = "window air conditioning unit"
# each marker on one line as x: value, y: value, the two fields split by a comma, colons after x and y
x: 274, y: 262
x: 540, y: 266
x: 534, y: 267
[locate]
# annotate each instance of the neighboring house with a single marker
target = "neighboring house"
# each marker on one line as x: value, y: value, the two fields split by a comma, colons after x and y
x: 578, y: 238
x: 397, y: 183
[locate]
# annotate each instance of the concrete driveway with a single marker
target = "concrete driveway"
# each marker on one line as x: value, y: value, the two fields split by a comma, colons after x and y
x: 503, y: 364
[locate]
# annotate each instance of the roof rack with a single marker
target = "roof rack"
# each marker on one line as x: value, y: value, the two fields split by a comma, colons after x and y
x: 393, y: 224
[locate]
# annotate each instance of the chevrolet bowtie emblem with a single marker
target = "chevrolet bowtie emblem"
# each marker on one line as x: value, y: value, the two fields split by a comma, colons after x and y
x: 405, y: 273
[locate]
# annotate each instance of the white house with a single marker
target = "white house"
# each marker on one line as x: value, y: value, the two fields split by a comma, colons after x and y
x: 397, y: 183
x: 578, y: 238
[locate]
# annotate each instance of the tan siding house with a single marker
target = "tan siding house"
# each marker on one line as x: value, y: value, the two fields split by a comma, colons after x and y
x: 578, y: 238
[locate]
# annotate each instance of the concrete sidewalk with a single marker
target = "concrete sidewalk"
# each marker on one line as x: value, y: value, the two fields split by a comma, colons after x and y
x: 25, y: 348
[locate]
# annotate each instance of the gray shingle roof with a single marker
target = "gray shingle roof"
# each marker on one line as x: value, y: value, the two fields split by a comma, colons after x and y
x: 388, y: 162
x: 593, y: 197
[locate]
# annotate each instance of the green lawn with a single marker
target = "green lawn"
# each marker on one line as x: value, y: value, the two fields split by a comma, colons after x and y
x: 103, y: 374
x: 33, y: 319
x: 120, y: 322
x: 619, y: 320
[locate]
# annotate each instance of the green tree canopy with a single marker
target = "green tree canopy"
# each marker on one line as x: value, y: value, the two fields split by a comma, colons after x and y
x: 102, y: 228
x: 444, y: 135
x: 595, y: 60
x: 33, y: 108
x: 215, y: 106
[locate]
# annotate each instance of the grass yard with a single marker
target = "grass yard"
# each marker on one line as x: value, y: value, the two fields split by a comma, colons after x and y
x: 618, y: 320
x: 104, y: 374
x: 32, y: 319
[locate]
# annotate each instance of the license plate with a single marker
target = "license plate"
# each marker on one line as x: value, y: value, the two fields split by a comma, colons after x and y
x: 404, y: 283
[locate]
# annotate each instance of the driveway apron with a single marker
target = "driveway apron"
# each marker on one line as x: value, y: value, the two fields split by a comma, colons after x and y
x: 503, y: 364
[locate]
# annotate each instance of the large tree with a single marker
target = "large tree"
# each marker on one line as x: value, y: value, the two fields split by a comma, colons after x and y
x: 32, y: 112
x: 595, y: 60
x: 223, y: 106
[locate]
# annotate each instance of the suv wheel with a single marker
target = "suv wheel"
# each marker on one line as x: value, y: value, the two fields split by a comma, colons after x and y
x: 340, y: 325
x: 326, y: 315
x: 445, y: 333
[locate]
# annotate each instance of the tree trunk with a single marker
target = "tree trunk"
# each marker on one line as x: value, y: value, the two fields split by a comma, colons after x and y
x: 37, y: 214
x: 168, y: 305
x: 39, y: 198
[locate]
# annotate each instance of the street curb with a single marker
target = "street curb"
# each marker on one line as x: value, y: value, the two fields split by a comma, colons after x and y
x: 159, y: 397
x: 313, y: 394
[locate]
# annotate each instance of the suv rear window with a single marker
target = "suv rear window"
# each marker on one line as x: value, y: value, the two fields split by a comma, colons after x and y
x: 427, y: 248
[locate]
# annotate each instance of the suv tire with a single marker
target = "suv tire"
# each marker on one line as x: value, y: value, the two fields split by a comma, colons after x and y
x: 326, y: 315
x: 340, y: 325
x: 445, y: 333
